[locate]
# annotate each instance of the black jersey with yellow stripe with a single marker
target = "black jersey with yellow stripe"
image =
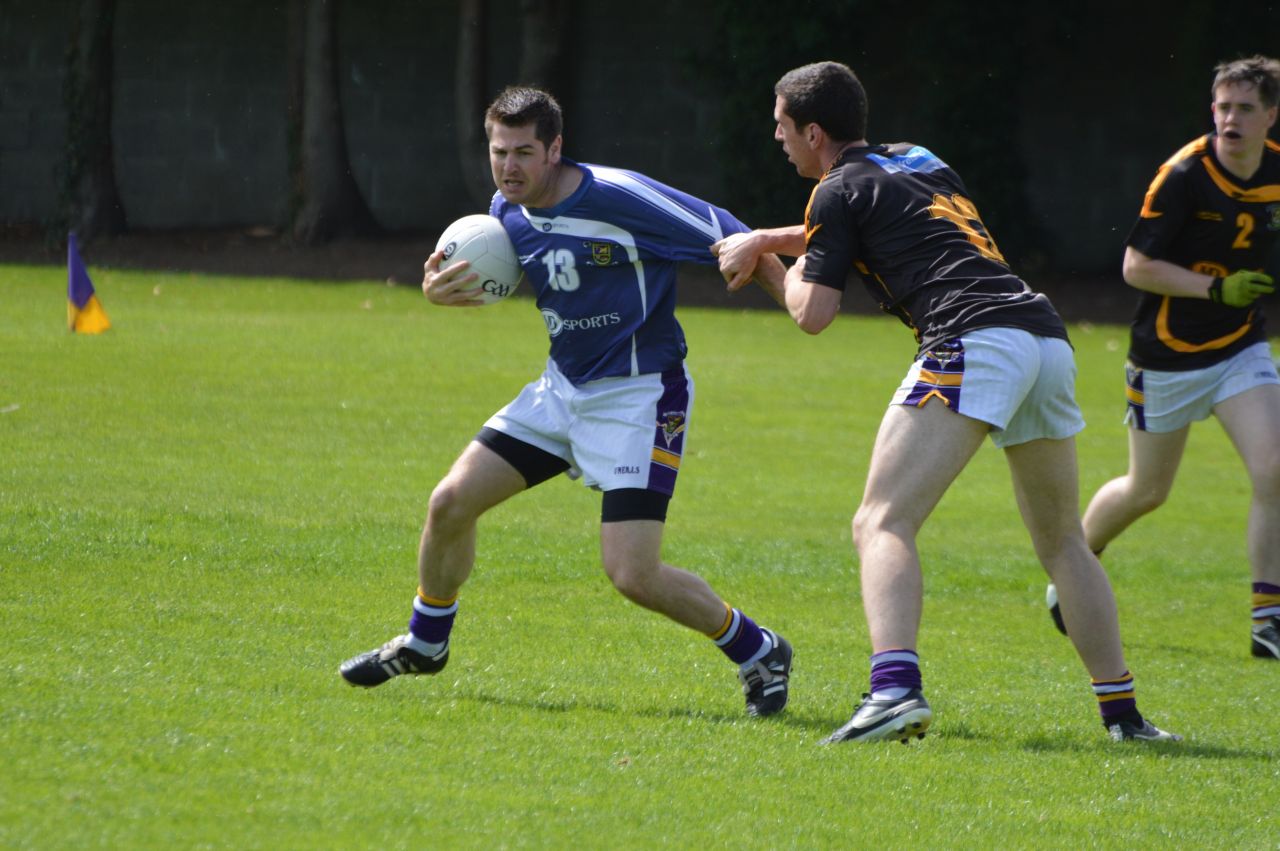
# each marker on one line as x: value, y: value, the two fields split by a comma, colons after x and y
x: 901, y: 217
x: 1200, y: 216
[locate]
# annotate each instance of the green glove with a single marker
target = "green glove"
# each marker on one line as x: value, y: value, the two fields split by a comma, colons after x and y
x: 1240, y: 289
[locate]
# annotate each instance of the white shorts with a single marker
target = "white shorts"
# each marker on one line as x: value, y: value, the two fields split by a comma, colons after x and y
x: 1022, y: 384
x: 1161, y: 402
x: 620, y: 432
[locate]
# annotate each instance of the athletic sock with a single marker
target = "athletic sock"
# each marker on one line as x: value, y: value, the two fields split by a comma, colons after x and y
x: 431, y: 623
x: 1266, y: 603
x: 740, y: 639
x: 894, y: 673
x: 1117, y: 700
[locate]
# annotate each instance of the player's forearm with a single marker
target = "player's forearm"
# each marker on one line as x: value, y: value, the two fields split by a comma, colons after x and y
x: 788, y: 241
x: 1164, y: 278
x: 770, y: 275
x: 812, y: 306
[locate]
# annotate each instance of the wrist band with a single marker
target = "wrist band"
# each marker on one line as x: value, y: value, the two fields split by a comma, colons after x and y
x: 1215, y: 290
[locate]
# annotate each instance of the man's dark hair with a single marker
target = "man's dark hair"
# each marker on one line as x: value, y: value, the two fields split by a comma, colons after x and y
x: 1262, y: 71
x: 827, y: 94
x: 518, y: 106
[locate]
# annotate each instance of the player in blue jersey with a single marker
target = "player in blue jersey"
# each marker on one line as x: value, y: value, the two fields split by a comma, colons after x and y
x: 600, y: 248
x: 993, y: 361
x: 1198, y: 346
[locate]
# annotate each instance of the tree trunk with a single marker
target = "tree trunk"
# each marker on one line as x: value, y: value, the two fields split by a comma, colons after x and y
x: 544, y: 25
x: 295, y: 89
x: 471, y: 96
x: 332, y: 205
x: 92, y: 203
x: 543, y: 34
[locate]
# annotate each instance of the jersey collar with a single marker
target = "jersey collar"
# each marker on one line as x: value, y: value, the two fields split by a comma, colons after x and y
x: 587, y: 179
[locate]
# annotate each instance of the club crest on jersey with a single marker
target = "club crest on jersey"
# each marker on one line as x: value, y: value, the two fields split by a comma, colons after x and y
x: 601, y: 253
x: 1273, y: 213
x: 672, y: 425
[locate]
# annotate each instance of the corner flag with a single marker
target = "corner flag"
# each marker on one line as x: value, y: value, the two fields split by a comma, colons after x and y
x: 84, y: 312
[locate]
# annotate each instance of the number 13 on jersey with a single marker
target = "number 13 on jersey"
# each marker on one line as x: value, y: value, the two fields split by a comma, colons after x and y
x: 562, y: 275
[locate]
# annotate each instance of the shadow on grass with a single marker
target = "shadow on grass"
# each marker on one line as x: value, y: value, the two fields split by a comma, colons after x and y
x: 1185, y: 749
x: 540, y: 704
x: 1137, y: 648
x: 1045, y: 743
x: 1066, y: 743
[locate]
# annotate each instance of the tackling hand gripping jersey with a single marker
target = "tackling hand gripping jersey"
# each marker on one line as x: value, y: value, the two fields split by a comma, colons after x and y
x: 603, y: 265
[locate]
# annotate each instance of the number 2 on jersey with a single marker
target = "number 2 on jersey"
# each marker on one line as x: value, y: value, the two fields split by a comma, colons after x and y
x: 961, y: 213
x: 1244, y: 221
x: 561, y: 274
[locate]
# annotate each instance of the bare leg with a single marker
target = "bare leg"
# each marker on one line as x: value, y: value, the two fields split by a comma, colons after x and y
x: 1249, y: 420
x: 631, y: 550
x: 478, y: 480
x: 1153, y: 463
x: 1046, y: 485
x: 918, y: 453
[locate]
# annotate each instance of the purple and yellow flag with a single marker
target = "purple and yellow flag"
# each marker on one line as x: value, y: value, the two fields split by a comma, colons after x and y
x: 84, y: 312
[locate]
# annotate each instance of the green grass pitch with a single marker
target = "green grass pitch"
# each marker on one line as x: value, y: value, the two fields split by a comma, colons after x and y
x: 204, y: 511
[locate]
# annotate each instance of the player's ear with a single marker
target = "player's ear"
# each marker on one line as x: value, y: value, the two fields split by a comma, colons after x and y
x: 553, y: 150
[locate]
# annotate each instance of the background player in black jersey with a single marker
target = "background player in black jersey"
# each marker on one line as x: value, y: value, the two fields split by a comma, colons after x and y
x: 1198, y: 345
x: 993, y: 361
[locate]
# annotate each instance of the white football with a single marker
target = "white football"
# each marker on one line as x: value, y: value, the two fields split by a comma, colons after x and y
x: 482, y: 241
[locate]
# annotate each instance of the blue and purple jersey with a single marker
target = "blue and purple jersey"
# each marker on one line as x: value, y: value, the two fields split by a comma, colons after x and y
x: 603, y: 266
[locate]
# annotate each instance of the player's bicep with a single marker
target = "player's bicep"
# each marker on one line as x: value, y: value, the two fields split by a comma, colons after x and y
x: 691, y: 239
x: 812, y: 305
x: 678, y: 226
x: 831, y: 242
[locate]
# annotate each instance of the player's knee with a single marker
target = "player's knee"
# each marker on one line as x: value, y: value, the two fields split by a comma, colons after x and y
x: 631, y: 580
x: 1063, y: 552
x: 870, y: 521
x: 1148, y: 498
x: 858, y: 528
x: 1265, y: 478
x: 448, y: 507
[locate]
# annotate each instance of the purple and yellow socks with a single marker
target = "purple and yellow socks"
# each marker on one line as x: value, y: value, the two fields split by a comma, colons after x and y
x: 1116, y: 699
x: 1266, y: 602
x: 431, y: 623
x: 894, y: 673
x: 740, y: 639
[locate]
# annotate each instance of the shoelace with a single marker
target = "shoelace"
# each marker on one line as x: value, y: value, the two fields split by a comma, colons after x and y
x: 757, y: 676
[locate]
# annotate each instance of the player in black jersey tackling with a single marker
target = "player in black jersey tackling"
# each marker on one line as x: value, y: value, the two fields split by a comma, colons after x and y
x: 993, y: 360
x: 1197, y: 344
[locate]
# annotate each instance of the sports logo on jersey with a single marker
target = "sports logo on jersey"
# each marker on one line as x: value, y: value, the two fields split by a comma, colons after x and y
x: 601, y: 253
x: 1273, y: 217
x: 557, y: 324
x: 554, y: 323
x: 672, y: 425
